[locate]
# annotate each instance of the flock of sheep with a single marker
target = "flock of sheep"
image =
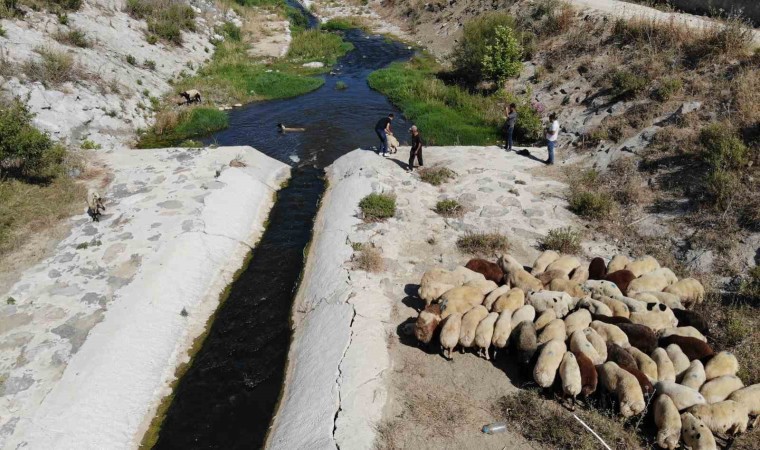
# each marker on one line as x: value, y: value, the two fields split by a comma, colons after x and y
x: 623, y: 324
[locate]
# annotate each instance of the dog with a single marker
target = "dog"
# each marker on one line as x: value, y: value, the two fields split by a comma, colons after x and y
x: 392, y: 144
x: 191, y: 96
x: 282, y: 128
x: 94, y: 206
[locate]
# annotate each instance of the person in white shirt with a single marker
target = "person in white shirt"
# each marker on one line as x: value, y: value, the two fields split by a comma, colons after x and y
x: 552, y: 132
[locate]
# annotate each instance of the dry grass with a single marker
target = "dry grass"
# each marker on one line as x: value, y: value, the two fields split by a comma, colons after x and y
x: 369, y: 259
x: 564, y: 240
x: 484, y: 244
x: 52, y: 67
x: 449, y: 208
x: 436, y: 175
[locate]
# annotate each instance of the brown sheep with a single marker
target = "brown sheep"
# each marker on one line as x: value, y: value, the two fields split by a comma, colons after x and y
x: 693, y: 348
x: 621, y: 278
x: 627, y: 362
x: 490, y: 270
x: 688, y: 318
x: 640, y: 336
x: 614, y: 320
x: 597, y: 269
x: 589, y: 377
x: 427, y: 323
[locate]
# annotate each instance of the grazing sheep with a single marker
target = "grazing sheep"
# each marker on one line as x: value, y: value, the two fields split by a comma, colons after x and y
x: 516, y: 276
x: 554, y: 330
x: 577, y: 321
x: 485, y: 286
x: 501, y: 330
x: 682, y: 331
x: 640, y: 336
x: 689, y: 290
x: 726, y: 417
x: 436, y: 281
x: 484, y: 334
x: 543, y: 261
x: 644, y: 363
x: 191, y: 96
x: 544, y: 319
x: 513, y: 300
x: 656, y: 320
x: 614, y: 320
x: 491, y: 271
x: 695, y: 433
x: 672, y: 301
x: 691, y: 319
x: 595, y: 307
x: 470, y: 323
x: 597, y: 269
x: 625, y: 386
x: 622, y: 279
x: 678, y: 358
x: 642, y: 266
x: 645, y: 297
x: 527, y: 312
x: 460, y: 300
x: 450, y: 331
x: 683, y: 397
x: 570, y: 374
x: 653, y: 281
x: 611, y: 333
x: 494, y: 295
x: 665, y: 273
x: 560, y: 302
x: 620, y: 356
x: 602, y: 287
x: 600, y: 345
x: 549, y: 359
x: 723, y: 363
x: 572, y: 288
x: 618, y: 262
x: 589, y: 376
x: 427, y: 323
x: 579, y: 343
x: 693, y: 348
x: 579, y: 275
x: 668, y: 422
x: 694, y: 377
x: 665, y: 370
x: 524, y: 341
x: 632, y: 304
x: 618, y: 308
x: 565, y: 264
x: 94, y: 206
x: 546, y: 277
x: 718, y: 389
x: 749, y: 397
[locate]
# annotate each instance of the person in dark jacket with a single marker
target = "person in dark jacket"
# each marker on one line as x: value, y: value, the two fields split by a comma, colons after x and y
x: 416, y: 150
x: 509, y: 126
x: 383, y: 129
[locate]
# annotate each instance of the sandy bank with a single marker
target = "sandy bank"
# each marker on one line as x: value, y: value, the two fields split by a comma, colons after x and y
x: 97, y: 331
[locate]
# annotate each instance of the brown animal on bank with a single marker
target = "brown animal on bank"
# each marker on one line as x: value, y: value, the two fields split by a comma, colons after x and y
x: 589, y: 377
x: 597, y: 269
x: 688, y: 318
x: 693, y: 348
x: 427, y: 323
x: 622, y: 278
x: 490, y: 270
x: 640, y: 336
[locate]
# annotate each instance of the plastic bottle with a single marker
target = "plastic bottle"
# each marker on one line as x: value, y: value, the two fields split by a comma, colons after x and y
x: 496, y: 427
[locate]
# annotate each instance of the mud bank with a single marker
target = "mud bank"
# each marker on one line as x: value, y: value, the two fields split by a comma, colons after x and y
x: 99, y: 329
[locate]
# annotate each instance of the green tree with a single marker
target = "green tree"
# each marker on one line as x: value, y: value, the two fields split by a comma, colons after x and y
x: 24, y: 150
x: 503, y: 55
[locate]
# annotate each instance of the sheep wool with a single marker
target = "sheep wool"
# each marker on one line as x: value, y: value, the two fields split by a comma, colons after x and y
x: 548, y: 362
x: 694, y: 376
x: 642, y: 266
x: 653, y: 281
x: 723, y: 363
x: 632, y: 304
x: 618, y: 308
x: 618, y: 262
x: 666, y: 273
x: 602, y: 287
x: 670, y: 300
x: 693, y: 348
x: 484, y: 286
x: 570, y: 374
x: 683, y: 397
x: 554, y: 330
x: 665, y: 370
x: 622, y: 279
x: 610, y: 333
x: 527, y: 312
x: 494, y: 295
x: 544, y: 318
x: 620, y: 356
x: 560, y: 302
x: 502, y: 329
x: 524, y: 341
x: 450, y: 332
x: 516, y: 276
x: 688, y: 290
x: 543, y: 261
x: 678, y: 358
x: 718, y: 389
x: 682, y: 331
x: 726, y: 417
x: 695, y: 433
x: 644, y: 363
x: 572, y: 288
x: 645, y: 297
x: 577, y: 321
x: 692, y: 319
x: 427, y: 323
x: 548, y: 276
x: 513, y: 300
x: 668, y: 422
x: 600, y: 345
x: 639, y: 336
x: 579, y: 275
x: 580, y: 344
x: 656, y: 320
x: 595, y: 306
x: 589, y: 377
x: 491, y: 271
x: 625, y: 386
x: 565, y: 264
x: 436, y: 281
x: 484, y: 334
x: 749, y: 397
x: 597, y: 269
x: 460, y: 300
x: 470, y: 323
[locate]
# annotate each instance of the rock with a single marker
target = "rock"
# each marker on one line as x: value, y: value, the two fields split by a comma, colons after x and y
x: 314, y: 65
x: 688, y: 107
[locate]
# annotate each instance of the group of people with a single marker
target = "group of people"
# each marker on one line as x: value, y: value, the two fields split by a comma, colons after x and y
x: 383, y: 130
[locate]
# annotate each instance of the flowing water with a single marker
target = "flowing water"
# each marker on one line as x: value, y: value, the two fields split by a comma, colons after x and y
x: 228, y: 396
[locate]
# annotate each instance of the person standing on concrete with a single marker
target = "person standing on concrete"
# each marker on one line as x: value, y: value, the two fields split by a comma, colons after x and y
x: 416, y: 150
x: 383, y: 129
x: 552, y: 132
x: 509, y: 126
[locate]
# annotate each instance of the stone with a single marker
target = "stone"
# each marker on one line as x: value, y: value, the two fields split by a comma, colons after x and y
x: 314, y: 65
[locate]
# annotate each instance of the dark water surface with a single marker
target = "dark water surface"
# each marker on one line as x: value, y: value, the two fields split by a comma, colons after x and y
x: 227, y: 398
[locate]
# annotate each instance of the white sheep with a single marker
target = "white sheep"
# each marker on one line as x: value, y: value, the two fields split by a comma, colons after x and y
x: 625, y: 386
x: 544, y: 318
x: 527, y: 312
x: 653, y: 281
x: 577, y: 321
x: 672, y: 301
x: 484, y: 334
x: 579, y: 275
x: 633, y: 304
x: 668, y: 422
x: 749, y: 397
x: 579, y: 343
x: 610, y: 333
x: 665, y: 370
x: 548, y: 362
x: 618, y: 308
x: 642, y: 266
x: 560, y: 302
x: 494, y: 295
x: 501, y: 330
x: 460, y: 300
x: 543, y: 261
x: 452, y: 328
x: 595, y: 306
x: 438, y: 280
x: 618, y: 262
x: 682, y: 331
x: 694, y: 377
x: 683, y: 396
x: 570, y: 374
x: 718, y: 389
x: 554, y: 330
x: 726, y: 417
x: 485, y: 286
x: 688, y: 290
x: 564, y: 264
x: 723, y: 363
x: 572, y: 288
x: 602, y: 287
x: 695, y: 433
x: 656, y: 320
x: 678, y: 358
x: 599, y: 343
x: 470, y: 323
x: 645, y: 364
x: 513, y: 300
x: 516, y: 276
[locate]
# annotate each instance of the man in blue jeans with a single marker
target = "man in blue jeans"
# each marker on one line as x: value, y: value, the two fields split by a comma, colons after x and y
x: 383, y: 128
x: 552, y: 132
x: 509, y: 126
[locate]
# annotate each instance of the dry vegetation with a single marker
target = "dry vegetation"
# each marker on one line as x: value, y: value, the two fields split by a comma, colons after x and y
x: 483, y: 244
x: 368, y: 258
x: 564, y: 240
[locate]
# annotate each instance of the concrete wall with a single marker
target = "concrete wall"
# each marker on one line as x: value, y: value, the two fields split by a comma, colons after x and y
x: 750, y: 8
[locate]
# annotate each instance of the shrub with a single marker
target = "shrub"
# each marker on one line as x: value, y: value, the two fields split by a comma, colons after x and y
x: 449, y: 208
x: 503, y: 55
x: 297, y: 18
x: 151, y: 39
x: 2, y: 31
x: 231, y: 31
x: 436, y: 175
x: 472, y: 48
x: 74, y: 37
x: 377, y: 207
x: 627, y: 84
x: 132, y: 61
x: 90, y: 145
x: 591, y: 205
x: 563, y: 240
x: 486, y: 244
x: 52, y: 67
x: 369, y: 259
x: 722, y: 148
x: 667, y: 88
x: 341, y: 85
x: 165, y: 18
x: 750, y: 286
x: 149, y: 64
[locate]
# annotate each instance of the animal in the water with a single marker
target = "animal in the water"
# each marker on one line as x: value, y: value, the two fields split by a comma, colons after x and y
x: 191, y: 96
x: 94, y: 206
x: 282, y: 128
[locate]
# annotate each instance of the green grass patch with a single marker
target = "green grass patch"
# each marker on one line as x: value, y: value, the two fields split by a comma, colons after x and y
x: 449, y: 208
x: 166, y: 19
x: 176, y: 129
x: 344, y: 24
x: 486, y: 244
x: 436, y: 175
x: 564, y: 240
x: 316, y: 45
x: 377, y: 207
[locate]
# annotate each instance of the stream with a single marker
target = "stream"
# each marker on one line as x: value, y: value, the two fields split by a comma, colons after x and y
x: 228, y: 396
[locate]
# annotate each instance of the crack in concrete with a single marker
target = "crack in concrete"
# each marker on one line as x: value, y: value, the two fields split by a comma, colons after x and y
x: 340, y: 371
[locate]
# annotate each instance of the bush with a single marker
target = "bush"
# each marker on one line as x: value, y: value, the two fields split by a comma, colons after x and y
x: 750, y: 286
x: 166, y: 18
x: 52, y: 68
x: 591, y: 205
x: 2, y: 31
x: 627, y: 84
x: 449, y: 208
x: 377, y: 207
x: 132, y: 61
x: 151, y: 39
x: 668, y: 87
x: 149, y: 64
x: 485, y: 244
x: 436, y: 175
x: 564, y: 240
x: 478, y: 34
x: 74, y: 37
x: 722, y: 148
x: 369, y: 259
x: 90, y: 145
x: 24, y: 150
x: 231, y: 31
x: 297, y: 18
x: 503, y: 55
